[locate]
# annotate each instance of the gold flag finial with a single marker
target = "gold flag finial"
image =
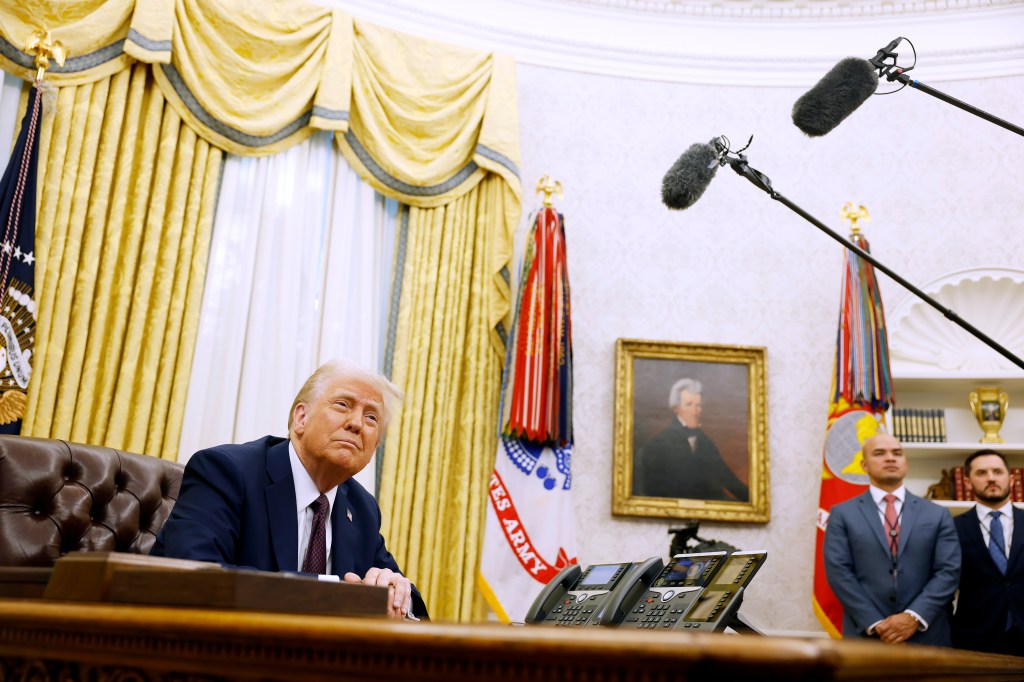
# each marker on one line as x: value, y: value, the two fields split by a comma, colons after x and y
x: 854, y: 216
x: 45, y: 48
x: 548, y: 187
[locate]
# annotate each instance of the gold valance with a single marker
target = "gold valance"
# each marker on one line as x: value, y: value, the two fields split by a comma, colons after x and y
x: 421, y: 121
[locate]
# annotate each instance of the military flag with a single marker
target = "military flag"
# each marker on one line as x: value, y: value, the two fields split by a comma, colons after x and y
x: 530, y: 528
x: 17, y: 268
x: 861, y: 393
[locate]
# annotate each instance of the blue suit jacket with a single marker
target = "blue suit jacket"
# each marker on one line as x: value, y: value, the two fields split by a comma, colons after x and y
x: 985, y: 593
x: 237, y: 507
x: 859, y: 566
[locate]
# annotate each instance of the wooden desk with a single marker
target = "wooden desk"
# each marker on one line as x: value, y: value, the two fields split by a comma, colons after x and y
x: 44, y: 641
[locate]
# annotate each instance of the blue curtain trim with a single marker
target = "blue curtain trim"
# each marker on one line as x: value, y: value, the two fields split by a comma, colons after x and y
x: 148, y: 44
x: 233, y: 134
x: 72, y: 64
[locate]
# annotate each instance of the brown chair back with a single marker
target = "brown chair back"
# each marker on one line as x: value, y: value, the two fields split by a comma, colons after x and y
x: 58, y: 497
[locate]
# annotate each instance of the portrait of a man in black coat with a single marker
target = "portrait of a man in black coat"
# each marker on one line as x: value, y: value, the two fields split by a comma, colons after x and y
x: 682, y: 461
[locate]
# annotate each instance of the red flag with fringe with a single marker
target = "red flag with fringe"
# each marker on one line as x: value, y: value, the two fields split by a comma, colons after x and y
x: 861, y: 393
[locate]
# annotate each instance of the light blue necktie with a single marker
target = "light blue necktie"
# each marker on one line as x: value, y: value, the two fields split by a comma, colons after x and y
x: 996, y: 543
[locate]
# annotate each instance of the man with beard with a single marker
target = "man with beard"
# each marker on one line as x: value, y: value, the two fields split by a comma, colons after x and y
x: 990, y: 608
x: 891, y: 557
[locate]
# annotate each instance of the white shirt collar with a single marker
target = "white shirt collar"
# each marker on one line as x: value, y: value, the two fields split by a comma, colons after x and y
x: 878, y: 495
x: 983, y: 511
x: 305, y: 490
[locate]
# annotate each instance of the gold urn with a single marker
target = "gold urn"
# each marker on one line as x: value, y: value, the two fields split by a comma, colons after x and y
x: 989, y: 408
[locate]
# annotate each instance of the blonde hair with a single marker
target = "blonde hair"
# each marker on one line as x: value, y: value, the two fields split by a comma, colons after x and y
x: 346, y: 368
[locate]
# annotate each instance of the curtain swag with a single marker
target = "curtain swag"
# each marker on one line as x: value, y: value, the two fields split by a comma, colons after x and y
x: 421, y: 121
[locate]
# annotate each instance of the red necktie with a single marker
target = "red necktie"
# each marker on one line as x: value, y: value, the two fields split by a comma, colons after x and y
x: 892, y: 524
x: 316, y: 553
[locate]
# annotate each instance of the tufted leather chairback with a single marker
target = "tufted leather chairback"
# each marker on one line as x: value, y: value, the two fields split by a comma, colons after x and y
x: 58, y: 497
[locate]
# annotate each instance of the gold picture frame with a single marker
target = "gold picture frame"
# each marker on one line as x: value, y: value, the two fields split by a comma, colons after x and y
x: 650, y: 475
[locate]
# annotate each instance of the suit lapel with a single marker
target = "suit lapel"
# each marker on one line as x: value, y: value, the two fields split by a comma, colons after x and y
x: 1016, y: 541
x: 343, y: 534
x: 909, y: 514
x: 281, y: 512
x: 973, y: 531
x: 870, y: 512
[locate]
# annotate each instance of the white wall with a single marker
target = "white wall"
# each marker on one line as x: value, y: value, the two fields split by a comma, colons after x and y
x: 944, y: 190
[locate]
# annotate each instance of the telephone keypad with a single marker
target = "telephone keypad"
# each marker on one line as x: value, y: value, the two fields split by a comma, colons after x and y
x: 574, y: 610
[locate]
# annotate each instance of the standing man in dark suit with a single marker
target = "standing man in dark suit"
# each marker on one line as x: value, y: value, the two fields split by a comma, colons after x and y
x: 990, y: 608
x: 682, y: 461
x: 891, y: 557
x: 290, y: 504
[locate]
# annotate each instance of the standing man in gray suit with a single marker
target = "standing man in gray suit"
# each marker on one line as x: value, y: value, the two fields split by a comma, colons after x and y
x: 892, y: 558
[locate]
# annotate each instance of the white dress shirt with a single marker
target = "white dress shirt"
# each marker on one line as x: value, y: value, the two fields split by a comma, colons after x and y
x: 1006, y: 519
x: 306, y: 493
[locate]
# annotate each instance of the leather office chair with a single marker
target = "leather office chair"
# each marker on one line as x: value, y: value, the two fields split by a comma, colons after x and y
x: 58, y: 497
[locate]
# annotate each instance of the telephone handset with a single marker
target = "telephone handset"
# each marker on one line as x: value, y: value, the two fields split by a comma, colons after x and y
x: 629, y: 591
x: 673, y: 591
x: 576, y: 597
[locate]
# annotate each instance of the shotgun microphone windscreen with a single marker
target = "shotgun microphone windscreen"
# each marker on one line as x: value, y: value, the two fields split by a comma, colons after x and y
x: 835, y: 96
x: 689, y: 176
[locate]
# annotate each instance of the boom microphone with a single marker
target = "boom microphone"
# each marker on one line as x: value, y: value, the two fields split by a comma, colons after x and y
x: 693, y: 172
x: 689, y: 176
x: 835, y: 96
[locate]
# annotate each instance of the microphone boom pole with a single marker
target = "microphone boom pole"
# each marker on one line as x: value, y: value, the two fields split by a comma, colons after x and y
x: 739, y: 164
x: 891, y: 72
x: 918, y: 85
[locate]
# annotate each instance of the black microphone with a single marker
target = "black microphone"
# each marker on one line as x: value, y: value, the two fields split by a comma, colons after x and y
x: 689, y: 176
x: 835, y: 96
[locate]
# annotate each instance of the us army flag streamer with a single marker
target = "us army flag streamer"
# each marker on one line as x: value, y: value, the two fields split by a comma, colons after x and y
x: 17, y: 269
x: 861, y: 393
x: 530, y: 532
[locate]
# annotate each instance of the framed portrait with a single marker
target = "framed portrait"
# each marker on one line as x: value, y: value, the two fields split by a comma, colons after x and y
x: 691, y: 431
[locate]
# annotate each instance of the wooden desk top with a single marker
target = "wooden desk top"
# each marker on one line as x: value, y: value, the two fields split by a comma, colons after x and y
x: 71, y: 641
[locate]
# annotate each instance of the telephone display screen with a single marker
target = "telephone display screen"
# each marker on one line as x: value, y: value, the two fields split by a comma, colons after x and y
x: 705, y: 605
x: 708, y: 605
x: 690, y: 570
x: 739, y: 568
x: 731, y: 571
x: 601, y: 576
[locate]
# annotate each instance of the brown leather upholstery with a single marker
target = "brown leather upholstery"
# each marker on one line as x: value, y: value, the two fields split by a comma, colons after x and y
x: 58, y: 497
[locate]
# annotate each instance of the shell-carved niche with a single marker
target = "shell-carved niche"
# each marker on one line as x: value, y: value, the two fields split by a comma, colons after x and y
x: 989, y: 299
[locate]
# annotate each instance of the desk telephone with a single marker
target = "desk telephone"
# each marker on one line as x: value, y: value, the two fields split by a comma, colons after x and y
x: 694, y: 592
x: 577, y: 597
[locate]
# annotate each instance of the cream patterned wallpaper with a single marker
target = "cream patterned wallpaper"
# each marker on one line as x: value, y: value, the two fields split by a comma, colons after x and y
x: 945, y: 193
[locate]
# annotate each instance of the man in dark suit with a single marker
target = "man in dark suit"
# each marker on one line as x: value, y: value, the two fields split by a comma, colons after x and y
x: 891, y: 557
x: 290, y: 504
x: 682, y: 461
x: 990, y: 609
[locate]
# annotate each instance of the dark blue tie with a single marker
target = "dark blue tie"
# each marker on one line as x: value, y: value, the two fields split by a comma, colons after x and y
x: 996, y: 543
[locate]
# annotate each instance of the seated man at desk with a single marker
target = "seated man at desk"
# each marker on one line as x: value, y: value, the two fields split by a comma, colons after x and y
x: 290, y: 504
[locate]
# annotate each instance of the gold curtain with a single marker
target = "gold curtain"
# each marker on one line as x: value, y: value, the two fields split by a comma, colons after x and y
x: 126, y: 208
x: 440, y: 452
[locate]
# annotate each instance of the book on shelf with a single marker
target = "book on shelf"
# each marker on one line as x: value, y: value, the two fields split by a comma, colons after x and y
x: 962, y: 485
x: 1017, y: 484
x: 915, y: 425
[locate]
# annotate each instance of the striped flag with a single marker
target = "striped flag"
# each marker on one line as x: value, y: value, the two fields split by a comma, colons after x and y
x: 17, y: 268
x: 530, y: 529
x: 861, y: 393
